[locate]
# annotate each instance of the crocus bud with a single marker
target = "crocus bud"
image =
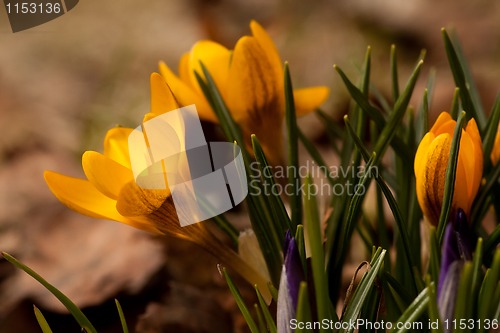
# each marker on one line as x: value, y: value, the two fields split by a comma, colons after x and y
x: 431, y: 161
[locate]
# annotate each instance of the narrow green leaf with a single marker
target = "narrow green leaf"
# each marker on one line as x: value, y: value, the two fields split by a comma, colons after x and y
x: 333, y: 130
x: 491, y: 129
x: 317, y: 254
x: 434, y: 255
x: 486, y: 303
x: 259, y: 209
x: 72, y: 308
x: 412, y: 314
x: 457, y: 68
x: 303, y: 312
x: 365, y: 83
x: 363, y: 289
x: 260, y: 318
x: 455, y: 104
x: 493, y: 240
x: 301, y: 246
x: 270, y: 324
x: 41, y: 321
x: 390, y: 199
x: 316, y: 156
x: 240, y: 302
x: 229, y: 126
x: 451, y: 170
x: 360, y: 98
x: 123, y: 321
x: 278, y: 210
x: 482, y: 198
x: 471, y: 85
x: 223, y: 224
x: 399, y: 289
x: 423, y: 111
x: 463, y: 303
x: 394, y: 74
x: 477, y: 273
x: 400, y: 108
x: 433, y: 306
x: 273, y: 291
x: 293, y: 150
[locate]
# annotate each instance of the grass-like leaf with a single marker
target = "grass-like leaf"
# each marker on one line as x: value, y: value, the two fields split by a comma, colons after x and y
x: 278, y: 210
x: 240, y: 302
x: 268, y: 318
x: 390, y: 199
x: 491, y: 129
x: 293, y: 151
x: 451, y: 170
x: 492, y: 241
x: 458, y: 70
x: 487, y: 303
x: 396, y: 116
x: 81, y: 319
x: 317, y: 254
x: 303, y: 312
x: 316, y: 156
x: 413, y: 313
x: 434, y: 315
x: 434, y: 255
x: 482, y: 198
x: 363, y: 289
x: 123, y: 321
x: 301, y: 247
x: 44, y: 326
x: 455, y: 104
x: 394, y: 74
x: 464, y: 301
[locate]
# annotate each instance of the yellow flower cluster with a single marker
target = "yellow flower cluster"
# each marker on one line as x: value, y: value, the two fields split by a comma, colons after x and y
x: 250, y: 79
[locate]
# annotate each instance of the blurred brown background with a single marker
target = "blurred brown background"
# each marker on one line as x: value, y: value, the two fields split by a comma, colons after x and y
x: 63, y: 84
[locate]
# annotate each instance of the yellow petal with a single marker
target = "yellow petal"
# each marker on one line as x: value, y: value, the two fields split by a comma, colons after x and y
x: 443, y: 118
x: 254, y: 89
x: 461, y: 194
x: 421, y: 154
x: 216, y: 59
x: 267, y: 44
x: 466, y: 157
x: 116, y: 145
x: 308, y: 99
x: 162, y: 99
x: 431, y: 180
x: 105, y: 174
x: 476, y: 155
x: 186, y: 95
x: 184, y: 70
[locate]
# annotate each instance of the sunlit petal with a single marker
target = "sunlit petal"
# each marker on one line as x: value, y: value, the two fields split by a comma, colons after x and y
x: 106, y: 175
x: 186, y: 95
x: 216, y: 59
x: 116, y: 145
x: 308, y: 99
x: 254, y: 89
x: 162, y: 99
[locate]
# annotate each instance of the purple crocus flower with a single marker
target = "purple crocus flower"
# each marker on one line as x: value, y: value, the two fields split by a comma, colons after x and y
x: 291, y: 276
x: 457, y: 248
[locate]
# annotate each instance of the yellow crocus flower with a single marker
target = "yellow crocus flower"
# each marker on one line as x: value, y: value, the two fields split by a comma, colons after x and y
x: 431, y: 161
x: 110, y: 192
x: 250, y: 80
